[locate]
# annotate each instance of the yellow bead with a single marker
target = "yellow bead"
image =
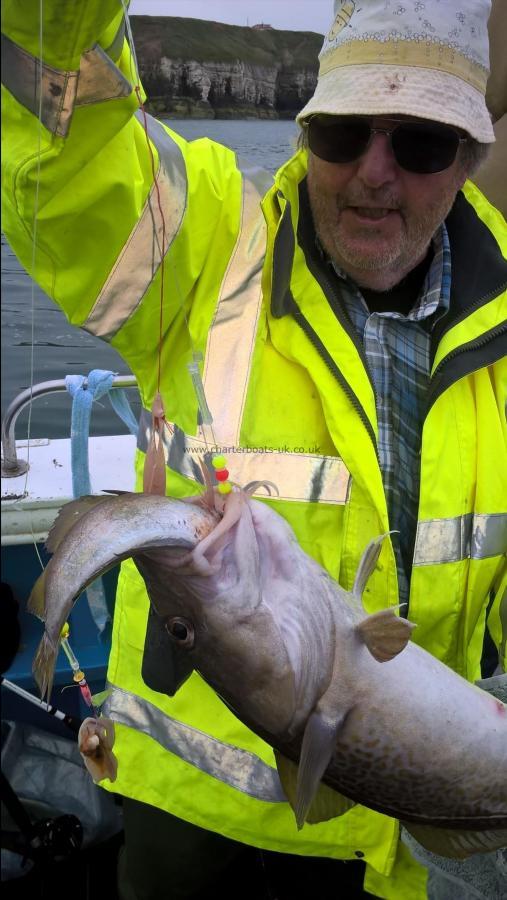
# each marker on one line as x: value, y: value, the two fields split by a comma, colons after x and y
x: 78, y: 676
x: 65, y: 630
x: 224, y: 487
x: 219, y: 462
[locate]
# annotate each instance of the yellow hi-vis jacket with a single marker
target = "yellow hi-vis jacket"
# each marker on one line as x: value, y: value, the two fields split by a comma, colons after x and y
x: 286, y: 381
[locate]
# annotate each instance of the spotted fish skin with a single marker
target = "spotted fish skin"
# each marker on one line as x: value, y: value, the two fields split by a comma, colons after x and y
x: 282, y: 643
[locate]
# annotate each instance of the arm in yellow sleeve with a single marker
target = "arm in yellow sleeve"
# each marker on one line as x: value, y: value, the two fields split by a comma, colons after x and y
x: 77, y: 154
x: 86, y: 168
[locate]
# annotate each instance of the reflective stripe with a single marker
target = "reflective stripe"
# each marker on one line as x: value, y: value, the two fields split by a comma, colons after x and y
x: 231, y: 337
x: 98, y: 79
x: 115, y: 49
x: 474, y: 536
x: 237, y: 768
x: 298, y: 476
x: 22, y: 76
x: 139, y: 261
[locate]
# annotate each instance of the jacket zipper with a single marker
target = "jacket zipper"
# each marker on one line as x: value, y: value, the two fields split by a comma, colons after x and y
x: 465, y: 313
x: 330, y: 364
x: 473, y: 345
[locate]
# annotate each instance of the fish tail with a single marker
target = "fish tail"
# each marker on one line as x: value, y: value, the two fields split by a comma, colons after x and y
x: 37, y: 599
x: 44, y: 665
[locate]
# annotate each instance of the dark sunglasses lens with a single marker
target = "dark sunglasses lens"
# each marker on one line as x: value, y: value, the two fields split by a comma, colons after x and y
x: 338, y: 140
x: 424, y: 149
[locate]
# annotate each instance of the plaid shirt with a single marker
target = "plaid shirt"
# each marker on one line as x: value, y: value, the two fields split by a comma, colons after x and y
x: 397, y: 349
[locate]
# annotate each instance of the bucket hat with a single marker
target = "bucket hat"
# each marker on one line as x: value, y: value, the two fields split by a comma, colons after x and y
x: 424, y: 58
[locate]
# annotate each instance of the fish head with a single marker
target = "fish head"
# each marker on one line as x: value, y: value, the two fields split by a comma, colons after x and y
x: 213, y: 607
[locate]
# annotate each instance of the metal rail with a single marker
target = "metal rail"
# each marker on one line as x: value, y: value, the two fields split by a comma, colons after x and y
x: 11, y: 465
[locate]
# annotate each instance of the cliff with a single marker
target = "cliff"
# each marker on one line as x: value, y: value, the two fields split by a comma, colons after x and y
x: 201, y: 69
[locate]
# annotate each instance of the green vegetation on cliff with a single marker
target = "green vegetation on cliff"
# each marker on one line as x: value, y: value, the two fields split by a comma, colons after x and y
x: 191, y: 67
x: 196, y: 39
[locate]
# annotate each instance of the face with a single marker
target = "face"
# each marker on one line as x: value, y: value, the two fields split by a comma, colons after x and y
x: 375, y: 219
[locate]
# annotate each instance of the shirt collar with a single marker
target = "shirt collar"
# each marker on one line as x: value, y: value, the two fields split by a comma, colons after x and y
x: 435, y: 294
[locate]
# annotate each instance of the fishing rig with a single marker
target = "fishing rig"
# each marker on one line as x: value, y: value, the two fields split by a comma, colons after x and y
x: 155, y: 466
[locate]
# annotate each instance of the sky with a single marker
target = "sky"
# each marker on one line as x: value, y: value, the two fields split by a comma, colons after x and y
x: 295, y: 15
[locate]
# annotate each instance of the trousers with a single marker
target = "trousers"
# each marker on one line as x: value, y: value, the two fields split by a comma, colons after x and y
x: 166, y: 858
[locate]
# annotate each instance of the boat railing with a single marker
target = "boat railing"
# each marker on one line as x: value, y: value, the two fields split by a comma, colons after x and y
x: 12, y: 467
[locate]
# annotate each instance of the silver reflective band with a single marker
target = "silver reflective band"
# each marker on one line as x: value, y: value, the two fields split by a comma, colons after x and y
x: 115, y: 48
x: 26, y: 78
x: 237, y: 768
x: 298, y: 476
x: 140, y: 258
x: 472, y: 536
x: 99, y: 79
x: 231, y: 338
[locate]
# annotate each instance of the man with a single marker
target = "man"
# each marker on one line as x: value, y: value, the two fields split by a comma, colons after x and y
x: 357, y: 306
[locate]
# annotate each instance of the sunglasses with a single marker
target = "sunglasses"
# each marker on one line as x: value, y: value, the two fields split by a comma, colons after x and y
x: 421, y: 147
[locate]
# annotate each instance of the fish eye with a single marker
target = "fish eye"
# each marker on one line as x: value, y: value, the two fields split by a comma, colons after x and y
x: 181, y: 630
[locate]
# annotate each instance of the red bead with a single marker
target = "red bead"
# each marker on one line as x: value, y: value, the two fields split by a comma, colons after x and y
x: 222, y: 475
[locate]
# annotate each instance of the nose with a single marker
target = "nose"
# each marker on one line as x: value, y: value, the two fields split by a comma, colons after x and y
x: 378, y: 166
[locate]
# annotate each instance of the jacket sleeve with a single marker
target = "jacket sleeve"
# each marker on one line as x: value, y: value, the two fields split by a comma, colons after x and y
x: 80, y: 201
x: 80, y: 168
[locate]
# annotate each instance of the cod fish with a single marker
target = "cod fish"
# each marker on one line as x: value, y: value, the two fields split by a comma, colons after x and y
x: 355, y: 711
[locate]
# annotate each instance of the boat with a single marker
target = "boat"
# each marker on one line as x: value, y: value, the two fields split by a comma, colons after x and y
x: 36, y: 482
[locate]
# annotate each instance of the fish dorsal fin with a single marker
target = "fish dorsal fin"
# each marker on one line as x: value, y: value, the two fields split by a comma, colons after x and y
x: 37, y: 599
x: 457, y: 843
x: 367, y: 564
x: 327, y: 803
x: 385, y: 634
x: 68, y: 516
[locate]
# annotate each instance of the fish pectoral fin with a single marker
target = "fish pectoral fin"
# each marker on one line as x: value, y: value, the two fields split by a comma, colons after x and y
x: 385, y: 634
x: 316, y: 751
x: 327, y: 803
x: 457, y: 843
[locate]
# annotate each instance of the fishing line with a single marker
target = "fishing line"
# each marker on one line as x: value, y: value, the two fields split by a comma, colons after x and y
x: 36, y: 546
x: 193, y: 367
x: 34, y: 250
x: 137, y: 87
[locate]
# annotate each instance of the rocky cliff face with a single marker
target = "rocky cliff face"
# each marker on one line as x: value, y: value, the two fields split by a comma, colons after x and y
x: 264, y: 82
x: 220, y: 89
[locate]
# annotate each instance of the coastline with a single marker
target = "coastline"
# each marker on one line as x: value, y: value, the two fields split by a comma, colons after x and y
x: 183, y: 109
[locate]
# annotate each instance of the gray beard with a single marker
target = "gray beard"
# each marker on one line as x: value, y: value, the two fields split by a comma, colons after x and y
x: 384, y: 267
